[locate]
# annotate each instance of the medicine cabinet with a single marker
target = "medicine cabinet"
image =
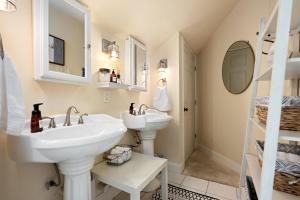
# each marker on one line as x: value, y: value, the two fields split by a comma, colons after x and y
x: 136, y: 64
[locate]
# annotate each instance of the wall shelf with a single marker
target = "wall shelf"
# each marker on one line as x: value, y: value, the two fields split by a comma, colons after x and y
x: 110, y: 85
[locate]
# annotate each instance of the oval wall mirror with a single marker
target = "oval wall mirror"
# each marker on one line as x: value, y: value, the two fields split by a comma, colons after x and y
x: 238, y: 67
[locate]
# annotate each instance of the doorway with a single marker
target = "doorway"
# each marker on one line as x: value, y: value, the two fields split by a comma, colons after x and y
x: 188, y: 63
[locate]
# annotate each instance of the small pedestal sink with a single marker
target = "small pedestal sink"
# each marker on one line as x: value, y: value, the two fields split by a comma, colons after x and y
x: 147, y: 125
x: 74, y: 148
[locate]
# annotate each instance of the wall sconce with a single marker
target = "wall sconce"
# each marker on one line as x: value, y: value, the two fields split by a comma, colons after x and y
x: 7, y: 5
x: 162, y: 69
x: 163, y: 65
x: 111, y: 48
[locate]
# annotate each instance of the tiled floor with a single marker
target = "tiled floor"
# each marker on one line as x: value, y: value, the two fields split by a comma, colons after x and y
x: 210, y: 170
x: 209, y: 188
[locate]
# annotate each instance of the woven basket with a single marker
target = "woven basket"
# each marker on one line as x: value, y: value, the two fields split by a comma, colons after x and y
x: 290, y: 117
x: 283, y: 181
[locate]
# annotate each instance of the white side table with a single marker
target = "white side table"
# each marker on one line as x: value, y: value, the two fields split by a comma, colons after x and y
x: 134, y: 175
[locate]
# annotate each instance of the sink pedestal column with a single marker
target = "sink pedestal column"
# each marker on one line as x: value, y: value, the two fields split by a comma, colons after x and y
x: 148, y: 138
x: 77, y: 174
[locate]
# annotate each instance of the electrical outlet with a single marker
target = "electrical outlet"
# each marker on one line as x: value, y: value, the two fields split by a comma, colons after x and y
x: 107, y: 97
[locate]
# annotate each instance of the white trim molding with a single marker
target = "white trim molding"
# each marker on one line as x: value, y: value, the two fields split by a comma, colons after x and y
x: 175, y: 167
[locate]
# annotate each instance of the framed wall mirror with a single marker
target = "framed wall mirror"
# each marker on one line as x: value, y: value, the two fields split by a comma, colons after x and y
x: 136, y: 64
x: 62, y: 41
x: 238, y: 67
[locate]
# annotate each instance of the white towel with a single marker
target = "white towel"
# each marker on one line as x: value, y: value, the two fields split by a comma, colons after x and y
x: 12, y: 115
x: 161, y: 99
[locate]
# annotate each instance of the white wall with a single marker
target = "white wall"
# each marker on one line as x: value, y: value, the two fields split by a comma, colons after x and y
x: 27, y: 181
x: 222, y: 115
x: 169, y: 142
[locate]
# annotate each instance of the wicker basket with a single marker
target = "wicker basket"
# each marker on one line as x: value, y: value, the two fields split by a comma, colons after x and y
x: 284, y: 182
x: 290, y: 117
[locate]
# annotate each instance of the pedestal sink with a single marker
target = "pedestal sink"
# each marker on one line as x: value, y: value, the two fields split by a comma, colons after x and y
x: 74, y: 148
x: 147, y: 125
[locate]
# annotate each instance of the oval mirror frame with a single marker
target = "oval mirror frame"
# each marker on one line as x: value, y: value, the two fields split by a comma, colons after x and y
x: 239, y: 45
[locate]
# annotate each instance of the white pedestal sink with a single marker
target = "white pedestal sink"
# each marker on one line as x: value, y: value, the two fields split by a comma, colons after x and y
x: 147, y: 125
x: 74, y: 148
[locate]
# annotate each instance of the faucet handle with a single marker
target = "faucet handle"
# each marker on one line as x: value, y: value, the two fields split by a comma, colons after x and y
x: 52, y: 123
x: 80, y: 120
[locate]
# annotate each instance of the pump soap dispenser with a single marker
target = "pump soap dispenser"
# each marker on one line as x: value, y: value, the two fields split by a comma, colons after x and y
x: 131, y: 109
x: 36, y: 116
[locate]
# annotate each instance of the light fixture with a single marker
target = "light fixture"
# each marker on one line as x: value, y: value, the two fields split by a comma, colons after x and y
x: 7, y: 5
x: 162, y: 68
x: 163, y: 65
x: 112, y: 48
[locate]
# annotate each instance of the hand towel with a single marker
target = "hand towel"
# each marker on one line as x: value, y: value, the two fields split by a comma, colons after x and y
x: 12, y: 115
x: 161, y: 100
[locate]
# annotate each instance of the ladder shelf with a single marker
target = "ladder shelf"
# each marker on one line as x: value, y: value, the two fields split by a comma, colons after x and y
x: 284, y: 21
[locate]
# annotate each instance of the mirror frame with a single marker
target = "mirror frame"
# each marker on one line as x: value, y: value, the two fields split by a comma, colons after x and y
x: 252, y: 71
x: 130, y: 69
x: 41, y: 44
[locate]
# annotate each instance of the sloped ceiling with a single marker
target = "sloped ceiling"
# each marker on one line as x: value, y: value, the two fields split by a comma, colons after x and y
x: 154, y: 21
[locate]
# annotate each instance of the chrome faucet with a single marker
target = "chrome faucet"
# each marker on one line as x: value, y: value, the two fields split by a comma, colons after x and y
x: 142, y: 112
x: 68, y: 115
x: 52, y: 123
x: 80, y: 120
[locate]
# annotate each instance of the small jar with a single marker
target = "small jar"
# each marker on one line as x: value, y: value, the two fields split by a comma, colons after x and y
x: 104, y: 75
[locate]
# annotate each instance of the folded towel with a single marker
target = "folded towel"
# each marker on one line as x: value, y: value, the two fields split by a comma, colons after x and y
x: 161, y: 99
x: 286, y: 101
x: 12, y: 115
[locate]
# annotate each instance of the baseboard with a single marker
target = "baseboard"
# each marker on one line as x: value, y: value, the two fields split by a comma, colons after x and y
x: 221, y: 159
x: 175, y: 167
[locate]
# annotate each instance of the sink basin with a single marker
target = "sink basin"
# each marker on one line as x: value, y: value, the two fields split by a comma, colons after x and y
x: 147, y: 125
x: 152, y: 120
x: 98, y: 134
x: 74, y: 148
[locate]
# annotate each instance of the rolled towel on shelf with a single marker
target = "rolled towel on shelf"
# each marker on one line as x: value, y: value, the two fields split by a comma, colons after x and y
x: 118, y: 155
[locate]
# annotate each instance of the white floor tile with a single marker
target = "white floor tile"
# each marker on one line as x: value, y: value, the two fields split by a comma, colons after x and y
x: 221, y: 190
x: 175, y: 178
x: 195, y: 183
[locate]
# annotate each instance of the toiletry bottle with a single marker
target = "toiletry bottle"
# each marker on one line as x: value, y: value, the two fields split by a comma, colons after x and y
x: 131, y: 109
x: 36, y: 116
x: 113, y: 76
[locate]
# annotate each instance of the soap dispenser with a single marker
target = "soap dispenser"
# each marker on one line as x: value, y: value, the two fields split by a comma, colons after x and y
x: 36, y: 116
x: 131, y: 109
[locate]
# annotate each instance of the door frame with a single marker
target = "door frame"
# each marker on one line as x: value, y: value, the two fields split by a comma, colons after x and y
x: 182, y: 43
